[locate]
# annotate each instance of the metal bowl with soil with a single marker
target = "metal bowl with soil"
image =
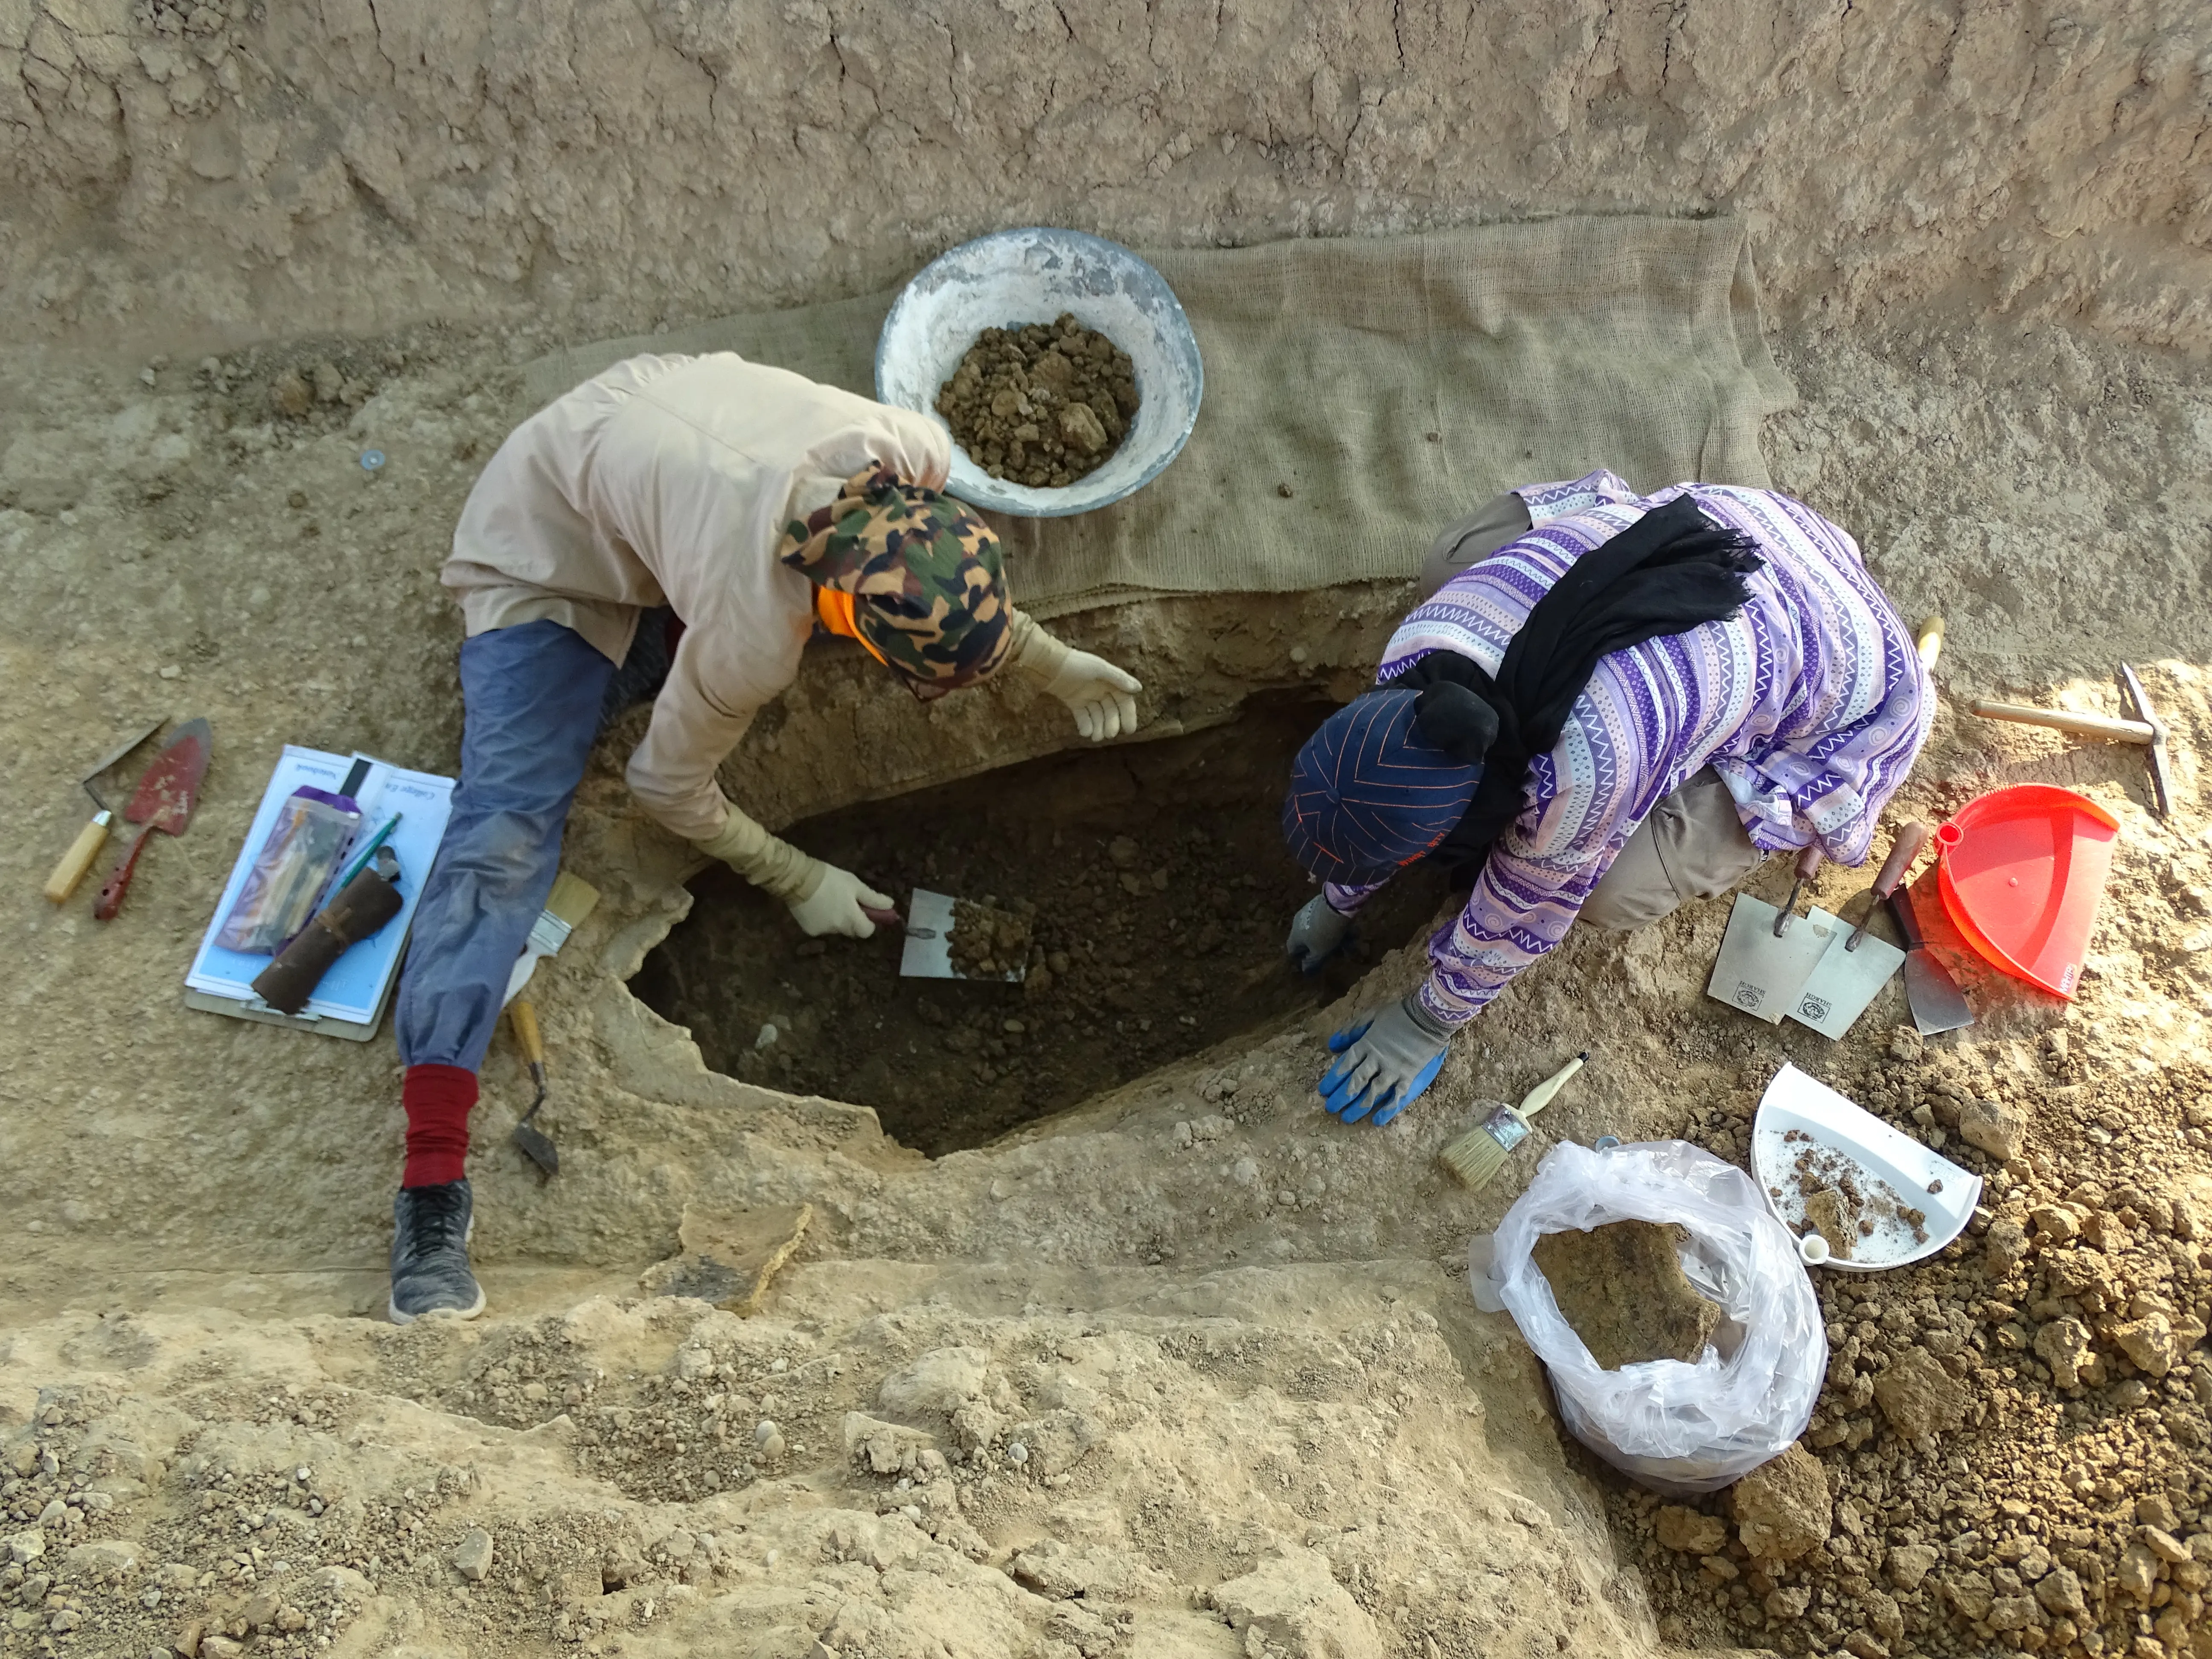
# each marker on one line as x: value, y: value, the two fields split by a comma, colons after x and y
x: 1016, y: 278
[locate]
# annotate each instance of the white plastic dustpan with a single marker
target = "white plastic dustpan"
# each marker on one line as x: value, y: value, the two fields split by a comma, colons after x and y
x: 1808, y: 1138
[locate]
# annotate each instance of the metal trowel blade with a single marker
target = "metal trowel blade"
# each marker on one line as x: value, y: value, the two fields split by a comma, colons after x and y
x: 1846, y: 981
x: 1760, y: 974
x: 928, y: 952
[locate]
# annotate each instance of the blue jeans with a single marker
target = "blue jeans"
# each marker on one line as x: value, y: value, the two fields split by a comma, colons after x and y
x: 534, y: 698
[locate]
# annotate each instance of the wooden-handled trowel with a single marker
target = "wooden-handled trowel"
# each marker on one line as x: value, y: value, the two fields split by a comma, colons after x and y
x: 164, y: 801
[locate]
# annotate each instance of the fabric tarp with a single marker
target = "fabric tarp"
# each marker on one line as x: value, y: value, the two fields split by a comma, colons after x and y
x: 1390, y: 384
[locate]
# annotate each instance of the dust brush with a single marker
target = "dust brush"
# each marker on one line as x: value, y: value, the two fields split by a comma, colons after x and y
x: 1477, y: 1156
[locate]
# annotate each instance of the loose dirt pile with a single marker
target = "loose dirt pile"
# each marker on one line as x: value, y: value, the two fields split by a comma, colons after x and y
x: 987, y: 942
x: 1041, y: 405
x: 2013, y: 1442
x: 1622, y: 1288
x: 1153, y: 889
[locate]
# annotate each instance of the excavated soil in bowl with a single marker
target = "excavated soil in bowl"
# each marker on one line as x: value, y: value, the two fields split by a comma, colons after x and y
x: 1159, y: 890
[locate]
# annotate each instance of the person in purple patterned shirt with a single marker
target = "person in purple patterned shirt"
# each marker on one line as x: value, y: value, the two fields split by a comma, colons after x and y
x: 1681, y: 764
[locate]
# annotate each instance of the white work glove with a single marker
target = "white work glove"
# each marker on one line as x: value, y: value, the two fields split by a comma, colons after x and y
x: 1102, y: 696
x: 823, y: 899
x: 834, y: 906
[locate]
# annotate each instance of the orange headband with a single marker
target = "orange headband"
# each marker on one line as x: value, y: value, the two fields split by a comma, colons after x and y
x: 835, y: 607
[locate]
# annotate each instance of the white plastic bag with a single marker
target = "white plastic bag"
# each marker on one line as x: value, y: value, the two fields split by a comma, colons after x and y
x: 1677, y: 1429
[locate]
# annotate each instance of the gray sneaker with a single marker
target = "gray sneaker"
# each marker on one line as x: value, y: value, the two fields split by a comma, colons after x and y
x: 430, y: 1228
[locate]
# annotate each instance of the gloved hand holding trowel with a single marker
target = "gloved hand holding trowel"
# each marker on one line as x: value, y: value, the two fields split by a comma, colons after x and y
x: 678, y: 526
x: 1605, y: 706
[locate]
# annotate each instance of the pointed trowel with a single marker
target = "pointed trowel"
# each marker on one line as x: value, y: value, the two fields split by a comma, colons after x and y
x: 1934, y: 995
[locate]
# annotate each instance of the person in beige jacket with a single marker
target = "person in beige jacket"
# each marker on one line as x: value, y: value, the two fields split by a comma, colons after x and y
x: 684, y: 525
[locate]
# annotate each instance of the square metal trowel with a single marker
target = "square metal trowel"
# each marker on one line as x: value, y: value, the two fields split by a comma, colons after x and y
x: 928, y: 953
x: 1849, y: 974
x: 1761, y: 971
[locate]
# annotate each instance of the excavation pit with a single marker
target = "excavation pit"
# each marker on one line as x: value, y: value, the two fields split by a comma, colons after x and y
x: 1161, y: 894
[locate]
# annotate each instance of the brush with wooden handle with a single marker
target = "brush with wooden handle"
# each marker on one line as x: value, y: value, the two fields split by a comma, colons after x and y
x: 1477, y: 1156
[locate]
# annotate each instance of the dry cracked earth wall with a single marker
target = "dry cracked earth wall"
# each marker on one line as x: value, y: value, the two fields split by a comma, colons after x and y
x: 232, y: 170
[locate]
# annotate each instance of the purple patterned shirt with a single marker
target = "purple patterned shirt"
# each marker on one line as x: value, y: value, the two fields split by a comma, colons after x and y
x: 1811, y: 704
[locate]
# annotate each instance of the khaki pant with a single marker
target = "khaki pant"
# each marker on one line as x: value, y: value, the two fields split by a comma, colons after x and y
x: 1692, y: 846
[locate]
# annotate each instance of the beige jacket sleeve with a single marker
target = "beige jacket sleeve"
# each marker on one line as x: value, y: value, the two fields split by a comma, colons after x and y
x: 747, y: 617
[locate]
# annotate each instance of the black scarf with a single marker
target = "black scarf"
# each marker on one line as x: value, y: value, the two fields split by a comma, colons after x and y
x: 1672, y: 570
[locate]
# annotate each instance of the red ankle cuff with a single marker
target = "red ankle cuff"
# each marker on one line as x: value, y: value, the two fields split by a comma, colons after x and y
x: 437, y: 1099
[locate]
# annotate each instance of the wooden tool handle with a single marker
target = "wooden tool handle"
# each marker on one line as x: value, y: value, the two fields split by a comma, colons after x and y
x: 2085, y: 725
x: 526, y: 1030
x: 78, y: 860
x: 1929, y: 641
x: 1902, y: 852
x: 111, y: 897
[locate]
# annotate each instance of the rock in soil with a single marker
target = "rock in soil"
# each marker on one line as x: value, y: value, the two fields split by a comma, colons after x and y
x: 1919, y: 1397
x: 1041, y: 405
x: 1622, y: 1288
x: 1782, y: 1508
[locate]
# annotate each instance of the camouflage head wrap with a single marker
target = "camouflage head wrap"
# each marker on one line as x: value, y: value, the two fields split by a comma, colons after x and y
x: 924, y: 574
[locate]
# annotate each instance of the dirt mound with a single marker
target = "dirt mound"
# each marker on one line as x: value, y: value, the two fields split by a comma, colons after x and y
x: 1040, y: 405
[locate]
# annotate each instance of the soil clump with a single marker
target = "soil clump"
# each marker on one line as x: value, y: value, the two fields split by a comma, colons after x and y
x: 987, y: 942
x: 1622, y: 1288
x: 1157, y: 892
x: 1041, y: 405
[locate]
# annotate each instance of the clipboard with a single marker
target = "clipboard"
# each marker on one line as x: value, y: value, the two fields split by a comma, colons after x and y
x: 351, y: 1001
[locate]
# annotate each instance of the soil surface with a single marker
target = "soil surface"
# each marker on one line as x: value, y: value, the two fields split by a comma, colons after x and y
x: 1622, y: 1288
x: 1157, y: 892
x: 1041, y: 405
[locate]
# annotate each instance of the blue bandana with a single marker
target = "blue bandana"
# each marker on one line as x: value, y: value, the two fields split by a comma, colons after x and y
x: 1371, y: 792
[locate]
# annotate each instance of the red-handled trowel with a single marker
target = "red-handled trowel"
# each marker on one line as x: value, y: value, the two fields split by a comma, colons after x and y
x: 164, y: 801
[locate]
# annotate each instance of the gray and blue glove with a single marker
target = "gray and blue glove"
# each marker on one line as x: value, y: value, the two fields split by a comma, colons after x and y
x: 1384, y: 1063
x: 1318, y: 932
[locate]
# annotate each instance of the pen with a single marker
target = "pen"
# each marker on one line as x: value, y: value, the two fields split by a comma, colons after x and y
x: 366, y: 853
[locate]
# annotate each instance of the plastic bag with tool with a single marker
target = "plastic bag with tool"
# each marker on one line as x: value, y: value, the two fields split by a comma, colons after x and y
x: 294, y: 864
x: 1678, y: 1429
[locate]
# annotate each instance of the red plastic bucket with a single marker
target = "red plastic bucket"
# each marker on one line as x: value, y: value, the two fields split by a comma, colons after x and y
x: 2021, y: 873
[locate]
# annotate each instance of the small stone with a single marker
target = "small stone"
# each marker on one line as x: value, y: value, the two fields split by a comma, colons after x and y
x: 220, y: 1647
x: 2012, y: 1612
x: 2150, y: 1342
x: 2064, y: 1345
x: 1789, y: 1603
x: 472, y: 1555
x: 1016, y: 1452
x: 1685, y: 1529
x: 1720, y: 1566
x: 24, y: 1546
x: 2138, y: 1570
x: 2164, y: 1546
x: 104, y: 1558
x: 1993, y: 1126
x: 1860, y: 1645
x: 768, y: 1438
x: 1909, y: 1564
x: 1919, y: 1397
x: 65, y: 1621
x: 1782, y: 1507
x: 1885, y: 1615
x: 290, y: 395
x: 2054, y: 1225
x: 2004, y: 1245
x: 2059, y: 1591
x: 2156, y: 1509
